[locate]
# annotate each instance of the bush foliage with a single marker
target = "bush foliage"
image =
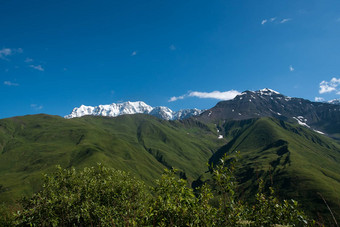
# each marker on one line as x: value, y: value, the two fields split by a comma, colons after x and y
x: 101, y: 196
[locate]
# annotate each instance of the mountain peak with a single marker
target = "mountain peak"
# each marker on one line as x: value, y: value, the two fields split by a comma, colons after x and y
x: 334, y: 101
x: 138, y: 107
x: 261, y: 92
x: 267, y: 91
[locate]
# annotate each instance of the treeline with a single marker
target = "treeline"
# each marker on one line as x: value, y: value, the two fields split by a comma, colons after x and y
x: 100, y: 196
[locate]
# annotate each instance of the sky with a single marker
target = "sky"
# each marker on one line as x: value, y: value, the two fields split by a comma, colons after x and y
x: 57, y: 55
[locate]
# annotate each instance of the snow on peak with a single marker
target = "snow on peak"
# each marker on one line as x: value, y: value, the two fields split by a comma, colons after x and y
x: 162, y: 112
x: 334, y: 101
x: 262, y: 92
x: 112, y: 110
x: 116, y: 109
x: 267, y: 91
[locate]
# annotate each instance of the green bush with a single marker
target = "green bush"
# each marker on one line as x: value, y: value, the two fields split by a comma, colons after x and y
x: 99, y: 196
x: 175, y: 204
x: 94, y: 196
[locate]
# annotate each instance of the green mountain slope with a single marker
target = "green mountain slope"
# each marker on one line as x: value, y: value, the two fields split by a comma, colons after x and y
x: 298, y: 162
x: 140, y: 144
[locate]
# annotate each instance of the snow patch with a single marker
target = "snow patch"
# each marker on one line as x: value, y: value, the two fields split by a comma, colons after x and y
x: 267, y: 91
x: 319, y: 132
x: 302, y: 121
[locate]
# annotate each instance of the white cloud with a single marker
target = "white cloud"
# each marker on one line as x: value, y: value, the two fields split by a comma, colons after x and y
x: 226, y: 95
x: 285, y: 20
x: 4, y: 52
x: 329, y: 86
x: 134, y: 53
x: 36, y: 107
x: 291, y: 68
x: 220, y: 95
x: 274, y: 19
x: 9, y: 83
x: 319, y: 99
x: 174, y: 98
x: 37, y: 67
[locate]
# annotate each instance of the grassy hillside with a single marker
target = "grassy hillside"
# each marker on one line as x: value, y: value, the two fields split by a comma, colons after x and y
x: 140, y: 144
x: 298, y: 162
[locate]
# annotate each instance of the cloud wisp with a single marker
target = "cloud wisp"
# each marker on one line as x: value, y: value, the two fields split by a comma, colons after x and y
x: 37, y: 67
x: 330, y: 86
x: 274, y: 20
x: 4, y: 52
x: 134, y: 53
x: 27, y: 60
x: 285, y: 20
x: 319, y: 99
x: 9, y: 83
x: 220, y: 95
x: 172, y: 47
x: 36, y: 107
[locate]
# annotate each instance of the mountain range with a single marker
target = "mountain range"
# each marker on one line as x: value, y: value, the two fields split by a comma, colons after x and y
x: 291, y: 143
x: 322, y: 117
x: 139, y: 107
x: 319, y: 116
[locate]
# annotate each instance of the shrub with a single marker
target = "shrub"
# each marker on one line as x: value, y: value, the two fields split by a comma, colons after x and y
x: 175, y: 204
x: 94, y: 196
x: 100, y: 196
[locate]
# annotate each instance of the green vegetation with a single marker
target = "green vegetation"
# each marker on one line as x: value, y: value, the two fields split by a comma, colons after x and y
x: 140, y: 144
x: 94, y: 196
x: 107, y: 197
x: 295, y: 161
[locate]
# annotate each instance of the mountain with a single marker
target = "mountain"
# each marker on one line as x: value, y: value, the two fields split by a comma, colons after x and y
x: 285, y: 141
x: 140, y: 144
x: 117, y: 109
x: 322, y: 117
x: 334, y: 101
x: 298, y: 162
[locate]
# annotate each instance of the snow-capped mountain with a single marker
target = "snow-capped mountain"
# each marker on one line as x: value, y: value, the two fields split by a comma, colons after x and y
x: 334, y: 101
x: 319, y: 116
x: 116, y: 109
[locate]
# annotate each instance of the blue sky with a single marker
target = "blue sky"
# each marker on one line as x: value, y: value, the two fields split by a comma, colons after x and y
x: 56, y: 55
